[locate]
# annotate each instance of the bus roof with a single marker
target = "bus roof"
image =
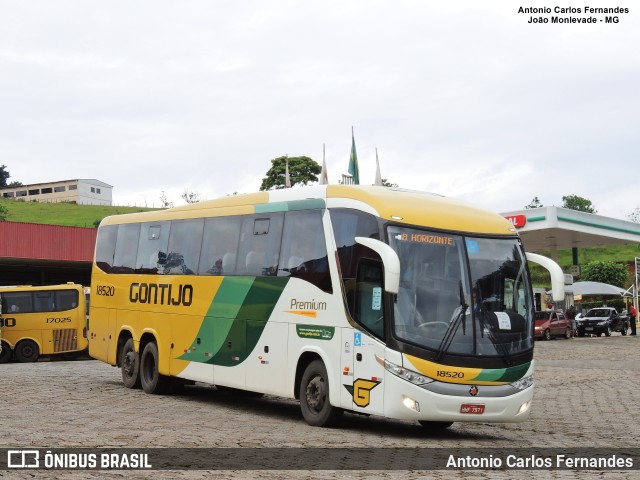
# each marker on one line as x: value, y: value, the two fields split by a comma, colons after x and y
x: 62, y: 286
x: 394, y: 204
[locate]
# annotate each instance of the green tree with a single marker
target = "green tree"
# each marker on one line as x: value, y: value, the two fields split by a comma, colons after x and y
x: 535, y: 203
x: 605, y: 272
x: 4, y: 175
x: 164, y: 201
x: 302, y: 171
x: 190, y: 197
x: 574, y: 202
x: 3, y: 213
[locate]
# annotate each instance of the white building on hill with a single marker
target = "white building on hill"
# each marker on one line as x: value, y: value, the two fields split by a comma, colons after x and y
x: 81, y: 191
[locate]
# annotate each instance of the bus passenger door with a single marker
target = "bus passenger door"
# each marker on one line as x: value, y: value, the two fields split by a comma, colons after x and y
x: 368, y: 347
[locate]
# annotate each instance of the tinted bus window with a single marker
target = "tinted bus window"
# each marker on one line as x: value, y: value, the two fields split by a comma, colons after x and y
x: 260, y: 244
x: 154, y: 238
x: 183, y: 254
x: 66, y: 300
x: 124, y: 259
x: 16, y: 302
x: 43, y: 302
x: 347, y: 225
x: 220, y: 246
x: 106, y: 247
x: 304, y: 252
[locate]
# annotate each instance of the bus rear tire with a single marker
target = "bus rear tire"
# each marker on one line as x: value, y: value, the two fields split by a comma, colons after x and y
x: 130, y: 365
x: 5, y: 355
x: 151, y: 380
x: 27, y: 351
x: 314, y: 396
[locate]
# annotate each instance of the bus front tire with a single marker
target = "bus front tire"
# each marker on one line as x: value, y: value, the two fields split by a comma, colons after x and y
x: 130, y: 365
x: 151, y: 380
x: 435, y: 426
x: 314, y: 396
x: 5, y: 355
x: 27, y: 351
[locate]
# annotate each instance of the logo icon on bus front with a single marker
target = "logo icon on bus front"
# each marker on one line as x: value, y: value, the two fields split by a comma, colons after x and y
x: 473, y: 391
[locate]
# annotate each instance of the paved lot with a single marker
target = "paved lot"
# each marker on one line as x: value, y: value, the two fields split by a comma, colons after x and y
x: 585, y: 397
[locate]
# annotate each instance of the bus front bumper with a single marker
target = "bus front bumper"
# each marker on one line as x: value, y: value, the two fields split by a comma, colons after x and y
x: 478, y: 403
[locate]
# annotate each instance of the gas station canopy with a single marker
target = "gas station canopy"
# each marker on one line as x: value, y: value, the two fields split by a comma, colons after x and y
x: 549, y: 229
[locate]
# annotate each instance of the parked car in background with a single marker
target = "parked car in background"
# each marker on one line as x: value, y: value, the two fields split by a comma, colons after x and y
x: 552, y: 324
x: 602, y: 320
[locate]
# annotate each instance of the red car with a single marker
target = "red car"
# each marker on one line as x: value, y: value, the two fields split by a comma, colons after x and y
x: 551, y: 324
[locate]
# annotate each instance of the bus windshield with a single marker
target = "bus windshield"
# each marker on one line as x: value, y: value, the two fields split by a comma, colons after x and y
x: 461, y: 295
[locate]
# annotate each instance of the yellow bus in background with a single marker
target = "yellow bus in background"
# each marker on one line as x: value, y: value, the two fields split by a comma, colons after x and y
x: 43, y: 320
x: 368, y: 299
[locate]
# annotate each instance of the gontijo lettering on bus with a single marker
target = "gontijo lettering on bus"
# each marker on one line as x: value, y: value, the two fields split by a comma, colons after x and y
x: 161, y: 294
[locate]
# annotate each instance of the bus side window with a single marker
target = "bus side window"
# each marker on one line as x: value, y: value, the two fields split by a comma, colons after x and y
x: 18, y: 302
x: 124, y: 258
x: 260, y: 244
x: 369, y: 297
x: 43, y: 302
x: 153, y: 243
x: 348, y: 224
x: 66, y: 300
x: 185, y: 241
x: 220, y: 246
x: 304, y: 251
x: 106, y: 247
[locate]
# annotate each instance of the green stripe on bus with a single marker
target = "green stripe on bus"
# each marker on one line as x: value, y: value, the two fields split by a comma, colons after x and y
x: 235, y: 320
x: 310, y: 204
x: 219, y: 319
x: 250, y: 322
x: 510, y: 374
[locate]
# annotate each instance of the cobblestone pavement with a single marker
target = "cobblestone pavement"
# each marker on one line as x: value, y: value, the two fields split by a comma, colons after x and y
x: 585, y: 396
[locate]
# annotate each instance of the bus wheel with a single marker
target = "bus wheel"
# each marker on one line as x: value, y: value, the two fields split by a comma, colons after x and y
x: 314, y: 396
x: 150, y: 378
x: 5, y: 355
x: 435, y: 425
x: 130, y: 365
x: 27, y: 351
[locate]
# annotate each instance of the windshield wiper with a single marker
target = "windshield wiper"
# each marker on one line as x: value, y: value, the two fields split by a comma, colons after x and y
x: 461, y: 318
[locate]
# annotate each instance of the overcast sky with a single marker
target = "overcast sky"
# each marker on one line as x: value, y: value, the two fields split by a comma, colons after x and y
x: 465, y: 98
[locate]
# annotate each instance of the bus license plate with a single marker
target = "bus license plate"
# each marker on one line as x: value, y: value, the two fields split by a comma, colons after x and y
x: 472, y: 408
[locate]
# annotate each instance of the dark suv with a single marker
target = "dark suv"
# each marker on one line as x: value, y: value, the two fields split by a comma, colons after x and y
x: 602, y: 320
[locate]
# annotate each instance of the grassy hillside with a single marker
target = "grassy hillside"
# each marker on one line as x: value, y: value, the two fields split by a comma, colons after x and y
x: 625, y: 254
x: 68, y: 214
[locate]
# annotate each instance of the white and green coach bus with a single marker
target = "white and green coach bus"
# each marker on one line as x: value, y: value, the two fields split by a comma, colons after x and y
x: 367, y: 299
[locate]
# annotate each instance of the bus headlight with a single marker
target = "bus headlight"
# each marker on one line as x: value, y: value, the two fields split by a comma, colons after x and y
x: 410, y: 403
x: 523, y: 383
x: 406, y: 374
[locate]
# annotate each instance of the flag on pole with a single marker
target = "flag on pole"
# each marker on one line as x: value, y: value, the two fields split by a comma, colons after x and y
x: 378, y: 175
x: 353, y: 161
x: 287, y: 179
x: 324, y: 176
